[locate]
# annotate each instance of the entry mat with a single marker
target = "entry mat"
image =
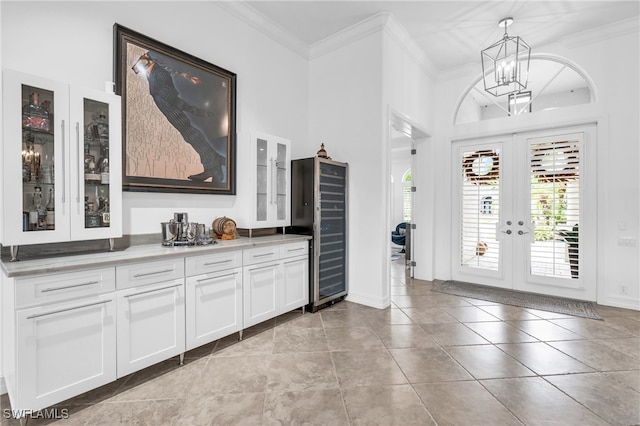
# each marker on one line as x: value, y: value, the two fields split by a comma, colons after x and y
x: 560, y: 305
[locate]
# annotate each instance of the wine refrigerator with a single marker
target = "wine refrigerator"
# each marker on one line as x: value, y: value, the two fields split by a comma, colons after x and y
x: 319, y: 207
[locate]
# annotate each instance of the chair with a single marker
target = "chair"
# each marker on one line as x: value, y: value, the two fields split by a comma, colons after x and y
x: 399, y: 236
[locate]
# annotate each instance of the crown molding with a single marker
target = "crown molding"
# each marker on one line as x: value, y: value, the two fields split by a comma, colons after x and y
x: 605, y: 32
x: 399, y: 34
x: 349, y: 35
x: 265, y: 25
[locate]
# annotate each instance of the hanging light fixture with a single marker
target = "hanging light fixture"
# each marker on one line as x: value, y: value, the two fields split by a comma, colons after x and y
x: 505, y: 64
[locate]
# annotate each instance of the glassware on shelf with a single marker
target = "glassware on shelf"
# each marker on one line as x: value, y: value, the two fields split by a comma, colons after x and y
x: 103, y: 166
x: 91, y: 172
x: 30, y: 164
x: 35, y: 209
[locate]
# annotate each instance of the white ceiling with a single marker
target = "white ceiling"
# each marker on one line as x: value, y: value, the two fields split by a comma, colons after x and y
x: 451, y: 33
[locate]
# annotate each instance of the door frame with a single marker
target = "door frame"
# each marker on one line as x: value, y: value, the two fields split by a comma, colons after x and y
x: 522, y: 280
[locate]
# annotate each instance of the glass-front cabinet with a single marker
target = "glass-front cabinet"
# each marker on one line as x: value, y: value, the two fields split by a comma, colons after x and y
x: 61, y: 162
x: 268, y: 177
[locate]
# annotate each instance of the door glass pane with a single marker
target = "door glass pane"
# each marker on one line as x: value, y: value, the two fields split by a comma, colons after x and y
x: 96, y: 164
x: 281, y: 181
x: 261, y: 176
x: 555, y: 207
x: 480, y: 208
x: 38, y: 179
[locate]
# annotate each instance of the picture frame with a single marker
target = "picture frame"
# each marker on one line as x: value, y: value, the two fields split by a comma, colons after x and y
x: 178, y: 118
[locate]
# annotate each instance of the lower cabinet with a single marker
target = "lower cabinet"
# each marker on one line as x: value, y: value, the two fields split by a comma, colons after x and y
x: 151, y: 325
x: 295, y: 286
x: 214, y: 306
x: 262, y: 283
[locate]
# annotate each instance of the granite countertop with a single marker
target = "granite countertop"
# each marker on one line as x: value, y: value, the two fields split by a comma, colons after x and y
x: 136, y: 253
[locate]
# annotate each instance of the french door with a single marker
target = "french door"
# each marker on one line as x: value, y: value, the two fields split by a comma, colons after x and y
x: 524, y: 209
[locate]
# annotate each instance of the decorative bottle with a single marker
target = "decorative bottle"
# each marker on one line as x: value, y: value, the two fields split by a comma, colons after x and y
x: 104, y: 166
x: 34, y: 210
x: 51, y: 211
x: 35, y: 116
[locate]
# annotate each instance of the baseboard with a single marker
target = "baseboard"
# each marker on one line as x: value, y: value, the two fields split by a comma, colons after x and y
x: 3, y: 386
x: 622, y: 302
x: 379, y: 303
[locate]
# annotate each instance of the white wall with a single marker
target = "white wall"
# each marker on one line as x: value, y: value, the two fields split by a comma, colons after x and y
x: 617, y: 154
x: 73, y: 42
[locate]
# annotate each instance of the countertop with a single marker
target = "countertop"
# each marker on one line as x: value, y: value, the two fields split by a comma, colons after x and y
x: 137, y: 253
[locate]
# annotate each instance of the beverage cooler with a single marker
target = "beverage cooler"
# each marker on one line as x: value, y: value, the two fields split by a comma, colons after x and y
x: 319, y: 208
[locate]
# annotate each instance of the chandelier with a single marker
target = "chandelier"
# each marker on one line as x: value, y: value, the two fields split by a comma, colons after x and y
x: 505, y: 64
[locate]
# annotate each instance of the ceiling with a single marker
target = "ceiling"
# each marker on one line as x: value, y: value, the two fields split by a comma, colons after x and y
x: 451, y: 33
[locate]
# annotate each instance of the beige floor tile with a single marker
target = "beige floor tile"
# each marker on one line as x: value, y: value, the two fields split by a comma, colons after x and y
x: 297, y: 320
x: 453, y: 334
x: 231, y: 409
x: 500, y: 332
x: 292, y: 339
x: 431, y: 300
x: 426, y: 315
x: 353, y: 339
x: 508, y: 312
x: 590, y: 328
x: 629, y: 325
x: 603, y: 395
x: 386, y: 317
x: 544, y: 359
x: 628, y: 378
x: 469, y: 314
x: 343, y: 318
x: 547, y: 314
x: 320, y: 407
x: 404, y: 336
x: 386, y: 406
x: 301, y: 371
x: 366, y: 369
x: 597, y: 356
x: 488, y: 362
x: 536, y: 402
x: 156, y: 412
x: 251, y: 344
x: 545, y: 331
x: 629, y: 346
x: 241, y: 374
x: 428, y: 365
x: 464, y: 403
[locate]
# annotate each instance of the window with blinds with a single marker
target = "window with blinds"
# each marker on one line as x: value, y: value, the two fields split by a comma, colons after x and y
x: 555, y: 208
x: 480, y: 207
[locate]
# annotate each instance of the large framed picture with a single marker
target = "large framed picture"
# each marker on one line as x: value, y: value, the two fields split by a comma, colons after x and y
x: 179, y: 118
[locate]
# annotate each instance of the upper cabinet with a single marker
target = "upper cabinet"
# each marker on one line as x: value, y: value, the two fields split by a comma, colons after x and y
x: 264, y: 181
x: 61, y: 158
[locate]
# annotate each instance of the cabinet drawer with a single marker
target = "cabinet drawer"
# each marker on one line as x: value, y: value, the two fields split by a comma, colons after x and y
x: 260, y: 254
x: 149, y: 272
x: 205, y: 264
x: 44, y: 289
x: 294, y: 249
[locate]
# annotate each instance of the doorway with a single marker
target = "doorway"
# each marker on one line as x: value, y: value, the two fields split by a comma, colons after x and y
x: 524, y: 212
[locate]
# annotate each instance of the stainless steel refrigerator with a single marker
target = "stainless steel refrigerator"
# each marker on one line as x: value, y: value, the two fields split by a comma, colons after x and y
x: 319, y: 208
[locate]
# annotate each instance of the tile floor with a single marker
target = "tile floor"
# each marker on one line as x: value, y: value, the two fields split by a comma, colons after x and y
x: 429, y: 359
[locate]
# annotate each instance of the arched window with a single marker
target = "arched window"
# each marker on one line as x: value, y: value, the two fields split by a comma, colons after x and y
x: 554, y: 82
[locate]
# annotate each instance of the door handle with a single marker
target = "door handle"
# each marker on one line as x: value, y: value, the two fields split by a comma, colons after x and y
x: 521, y: 232
x: 508, y: 232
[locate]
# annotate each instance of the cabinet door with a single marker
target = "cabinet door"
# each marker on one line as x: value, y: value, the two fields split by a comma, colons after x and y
x: 150, y: 325
x: 214, y: 306
x: 64, y: 350
x: 260, y: 293
x: 295, y: 284
x: 35, y: 131
x: 95, y: 158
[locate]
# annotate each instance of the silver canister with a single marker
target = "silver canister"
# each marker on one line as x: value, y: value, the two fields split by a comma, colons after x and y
x: 170, y: 231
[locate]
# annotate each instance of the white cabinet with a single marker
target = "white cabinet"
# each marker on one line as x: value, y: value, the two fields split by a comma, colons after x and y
x: 276, y: 280
x: 61, y: 162
x: 150, y: 314
x: 264, y: 181
x: 63, y: 346
x: 214, y: 297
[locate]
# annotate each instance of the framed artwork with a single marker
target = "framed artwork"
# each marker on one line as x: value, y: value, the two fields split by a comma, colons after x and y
x: 179, y: 118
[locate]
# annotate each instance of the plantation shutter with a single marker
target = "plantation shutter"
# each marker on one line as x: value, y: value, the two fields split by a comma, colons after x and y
x: 555, y: 207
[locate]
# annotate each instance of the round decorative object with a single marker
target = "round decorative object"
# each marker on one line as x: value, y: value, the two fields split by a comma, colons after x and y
x: 321, y: 152
x: 482, y: 167
x: 481, y: 248
x: 224, y: 228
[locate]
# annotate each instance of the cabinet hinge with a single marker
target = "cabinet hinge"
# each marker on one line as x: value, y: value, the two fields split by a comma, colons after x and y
x: 414, y: 151
x: 413, y: 226
x: 412, y: 263
x: 413, y: 189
